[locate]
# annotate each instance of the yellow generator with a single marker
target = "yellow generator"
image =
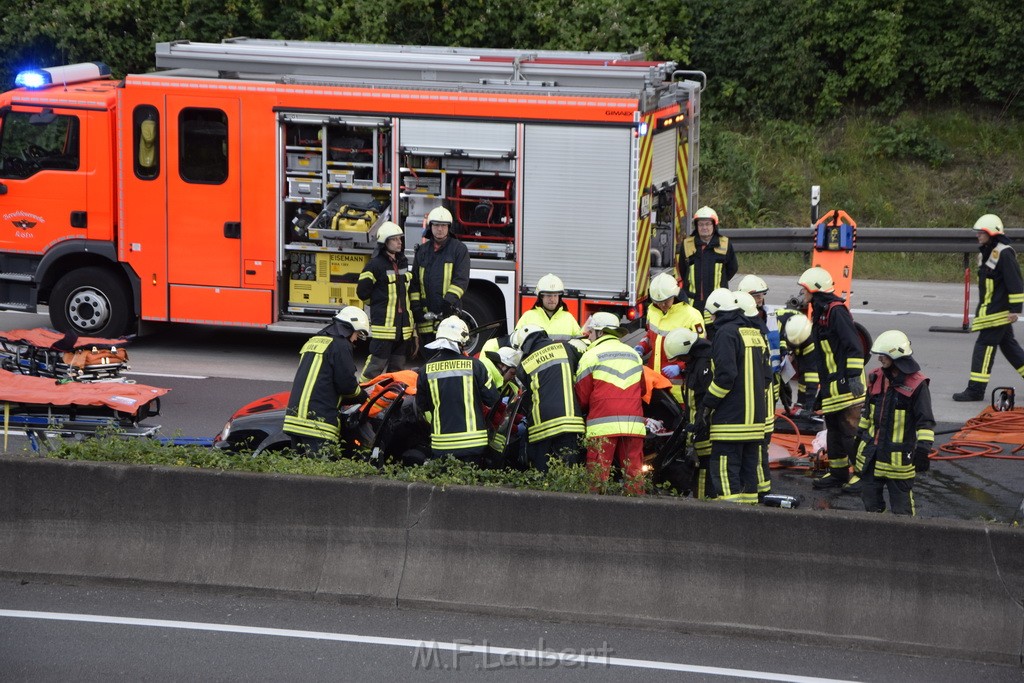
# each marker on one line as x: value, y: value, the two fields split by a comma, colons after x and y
x: 321, y: 280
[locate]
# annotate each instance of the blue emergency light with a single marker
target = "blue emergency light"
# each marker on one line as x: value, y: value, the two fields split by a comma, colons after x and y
x: 61, y: 75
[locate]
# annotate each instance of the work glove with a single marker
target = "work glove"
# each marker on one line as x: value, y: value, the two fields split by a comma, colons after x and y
x: 700, y: 423
x: 671, y: 371
x: 921, y: 461
x: 856, y: 387
x: 450, y: 305
x: 640, y: 349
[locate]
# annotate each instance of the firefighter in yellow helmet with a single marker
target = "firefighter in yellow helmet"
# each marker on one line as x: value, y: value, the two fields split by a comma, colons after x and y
x: 550, y: 312
x: 896, y: 427
x: 440, y: 275
x: 610, y: 388
x: 1000, y: 298
x: 324, y: 381
x: 706, y: 258
x: 384, y: 287
x: 453, y: 389
x: 840, y: 360
x: 667, y: 313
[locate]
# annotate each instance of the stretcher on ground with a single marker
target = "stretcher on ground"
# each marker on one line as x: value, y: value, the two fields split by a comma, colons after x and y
x: 42, y: 352
x: 42, y: 407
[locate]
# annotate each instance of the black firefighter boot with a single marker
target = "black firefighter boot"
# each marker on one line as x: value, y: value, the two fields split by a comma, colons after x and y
x: 835, y: 478
x: 973, y: 392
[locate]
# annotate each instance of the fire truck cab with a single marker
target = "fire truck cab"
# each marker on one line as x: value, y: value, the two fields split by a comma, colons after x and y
x: 243, y: 182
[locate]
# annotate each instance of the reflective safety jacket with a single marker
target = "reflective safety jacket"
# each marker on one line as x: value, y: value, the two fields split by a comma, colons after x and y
x: 454, y: 388
x: 325, y: 380
x: 610, y: 388
x: 439, y: 281
x: 680, y: 315
x: 560, y: 326
x: 384, y: 286
x: 739, y: 356
x: 838, y: 350
x: 546, y: 372
x: 1000, y: 288
x: 897, y: 419
x: 704, y: 268
x: 698, y: 380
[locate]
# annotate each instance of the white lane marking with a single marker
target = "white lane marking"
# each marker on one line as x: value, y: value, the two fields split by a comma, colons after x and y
x: 488, y: 650
x: 164, y: 374
x: 871, y: 311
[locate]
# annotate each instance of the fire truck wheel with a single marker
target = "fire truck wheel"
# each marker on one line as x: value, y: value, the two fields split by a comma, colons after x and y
x: 477, y: 311
x: 91, y: 301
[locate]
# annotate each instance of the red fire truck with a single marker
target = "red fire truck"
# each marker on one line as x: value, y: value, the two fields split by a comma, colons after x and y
x: 242, y: 182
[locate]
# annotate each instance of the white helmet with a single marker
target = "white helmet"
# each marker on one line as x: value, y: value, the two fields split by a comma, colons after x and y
x: 989, y: 223
x: 706, y: 212
x: 356, y: 319
x: 679, y: 341
x: 601, y: 321
x: 746, y: 303
x: 892, y: 343
x: 664, y: 286
x: 817, y: 279
x: 752, y: 284
x: 797, y: 330
x: 550, y: 284
x: 440, y: 214
x: 509, y: 356
x: 721, y: 300
x: 519, y: 337
x: 454, y: 328
x: 387, y: 230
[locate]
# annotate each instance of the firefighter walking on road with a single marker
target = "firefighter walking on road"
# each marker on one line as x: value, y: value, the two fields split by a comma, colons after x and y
x: 440, y: 275
x: 735, y: 404
x: 610, y: 388
x: 384, y: 286
x: 325, y: 380
x: 453, y: 389
x: 840, y: 360
x: 706, y: 258
x: 896, y: 427
x: 1000, y: 298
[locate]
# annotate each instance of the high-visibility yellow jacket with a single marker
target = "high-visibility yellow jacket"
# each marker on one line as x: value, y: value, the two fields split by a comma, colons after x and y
x: 560, y: 325
x: 610, y: 387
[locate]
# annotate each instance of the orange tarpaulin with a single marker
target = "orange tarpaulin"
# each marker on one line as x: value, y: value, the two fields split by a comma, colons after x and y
x: 124, y: 398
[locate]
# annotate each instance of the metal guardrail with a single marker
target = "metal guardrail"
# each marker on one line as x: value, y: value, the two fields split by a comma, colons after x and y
x: 919, y: 240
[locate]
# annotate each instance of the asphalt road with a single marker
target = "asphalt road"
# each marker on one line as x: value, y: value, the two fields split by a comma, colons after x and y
x: 94, y: 633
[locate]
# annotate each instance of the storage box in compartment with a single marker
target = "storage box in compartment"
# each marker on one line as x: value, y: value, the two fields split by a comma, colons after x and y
x: 422, y: 184
x: 304, y: 188
x: 304, y: 162
x: 505, y: 165
x: 341, y: 176
x: 460, y: 164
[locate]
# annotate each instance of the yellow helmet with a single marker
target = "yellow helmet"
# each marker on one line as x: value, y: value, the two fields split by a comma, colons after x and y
x: 721, y: 300
x: 387, y: 230
x: 550, y: 284
x: 892, y: 343
x: 356, y: 319
x: 753, y: 284
x: 797, y: 330
x: 454, y: 328
x: 664, y: 286
x: 989, y: 223
x: 679, y: 341
x: 440, y: 214
x: 706, y: 212
x: 817, y: 279
x: 746, y: 303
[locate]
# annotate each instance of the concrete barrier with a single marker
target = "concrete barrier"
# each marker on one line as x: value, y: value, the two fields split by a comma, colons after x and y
x: 919, y: 586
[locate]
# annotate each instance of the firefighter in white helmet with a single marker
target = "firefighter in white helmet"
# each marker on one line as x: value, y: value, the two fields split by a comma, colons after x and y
x: 735, y: 405
x: 798, y: 362
x: 550, y: 312
x: 667, y: 313
x: 440, y: 275
x: 453, y: 389
x: 1000, y: 298
x: 706, y: 258
x: 686, y: 346
x: 610, y: 388
x: 384, y: 287
x: 325, y: 380
x: 840, y: 360
x: 748, y: 305
x: 897, y: 427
